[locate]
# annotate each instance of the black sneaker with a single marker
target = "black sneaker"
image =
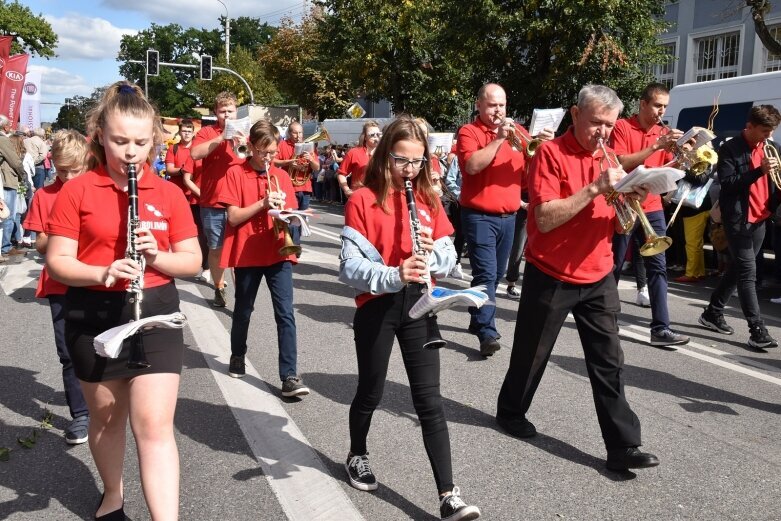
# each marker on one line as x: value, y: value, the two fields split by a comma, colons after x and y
x: 761, y: 339
x: 219, y: 298
x: 360, y: 473
x: 453, y: 508
x: 294, y: 386
x: 513, y: 292
x: 78, y: 430
x: 489, y: 346
x: 236, y: 367
x: 715, y: 322
x: 666, y: 337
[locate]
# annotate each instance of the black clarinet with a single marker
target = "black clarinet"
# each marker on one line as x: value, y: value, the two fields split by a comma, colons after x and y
x: 433, y: 338
x: 137, y: 357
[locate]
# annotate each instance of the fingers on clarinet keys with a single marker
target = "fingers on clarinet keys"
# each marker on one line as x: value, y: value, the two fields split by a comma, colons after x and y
x: 630, y: 458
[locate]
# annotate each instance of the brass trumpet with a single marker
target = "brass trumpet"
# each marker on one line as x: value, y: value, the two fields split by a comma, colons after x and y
x: 288, y: 246
x: 625, y: 206
x: 241, y: 149
x: 522, y: 143
x: 771, y: 152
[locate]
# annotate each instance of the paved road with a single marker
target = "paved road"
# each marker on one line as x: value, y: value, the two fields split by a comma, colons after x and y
x: 711, y: 411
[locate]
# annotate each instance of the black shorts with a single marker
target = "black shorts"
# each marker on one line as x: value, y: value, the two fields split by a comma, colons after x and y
x: 89, y: 313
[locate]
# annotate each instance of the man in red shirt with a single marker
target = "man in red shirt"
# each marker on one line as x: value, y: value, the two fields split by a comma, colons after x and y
x: 217, y: 155
x: 490, y: 197
x: 178, y: 154
x: 299, y: 168
x: 747, y: 199
x: 642, y: 140
x: 569, y: 269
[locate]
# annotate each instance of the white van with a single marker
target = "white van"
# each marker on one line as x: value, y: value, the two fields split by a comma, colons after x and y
x: 691, y: 104
x: 347, y: 131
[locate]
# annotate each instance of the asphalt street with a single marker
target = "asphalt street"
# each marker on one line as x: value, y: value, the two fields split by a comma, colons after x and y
x: 710, y: 410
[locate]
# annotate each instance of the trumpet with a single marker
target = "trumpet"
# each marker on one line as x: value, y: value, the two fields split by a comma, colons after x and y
x: 625, y: 206
x: 771, y: 152
x: 288, y: 246
x: 241, y: 149
x: 522, y: 143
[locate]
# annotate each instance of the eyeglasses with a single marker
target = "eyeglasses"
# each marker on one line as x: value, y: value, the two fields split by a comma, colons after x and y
x: 263, y: 153
x: 402, y: 162
x: 374, y: 134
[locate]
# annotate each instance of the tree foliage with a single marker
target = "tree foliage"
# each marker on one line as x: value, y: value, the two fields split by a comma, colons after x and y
x: 760, y: 9
x: 73, y: 115
x: 243, y: 60
x: 32, y: 33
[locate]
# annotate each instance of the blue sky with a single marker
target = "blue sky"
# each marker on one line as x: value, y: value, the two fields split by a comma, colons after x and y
x: 90, y: 31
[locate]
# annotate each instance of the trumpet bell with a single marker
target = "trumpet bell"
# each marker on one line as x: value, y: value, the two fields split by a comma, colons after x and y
x: 654, y: 245
x: 288, y: 246
x: 241, y: 151
x: 321, y: 135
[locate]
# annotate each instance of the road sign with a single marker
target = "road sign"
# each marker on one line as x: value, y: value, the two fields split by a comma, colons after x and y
x: 356, y: 111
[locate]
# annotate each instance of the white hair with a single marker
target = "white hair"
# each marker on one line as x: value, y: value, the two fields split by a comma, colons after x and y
x: 599, y: 95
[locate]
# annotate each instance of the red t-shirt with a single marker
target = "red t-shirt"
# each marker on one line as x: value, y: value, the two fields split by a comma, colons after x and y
x: 759, y: 191
x: 497, y: 188
x: 287, y: 150
x: 253, y: 242
x: 629, y: 137
x: 579, y: 251
x: 195, y: 168
x: 214, y: 166
x: 355, y: 162
x: 37, y: 217
x: 92, y: 210
x: 435, y: 165
x: 178, y: 154
x: 390, y: 232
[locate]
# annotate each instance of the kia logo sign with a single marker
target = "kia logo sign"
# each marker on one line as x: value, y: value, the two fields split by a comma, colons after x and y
x: 14, y: 76
x: 30, y: 88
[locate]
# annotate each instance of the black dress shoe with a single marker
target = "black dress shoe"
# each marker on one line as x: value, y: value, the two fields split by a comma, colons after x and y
x: 116, y: 515
x: 489, y: 346
x: 630, y: 458
x: 518, y: 427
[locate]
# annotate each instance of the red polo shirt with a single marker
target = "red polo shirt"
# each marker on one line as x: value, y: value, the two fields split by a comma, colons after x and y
x: 390, y: 232
x: 287, y: 150
x: 253, y: 243
x: 629, y: 137
x: 215, y: 165
x: 759, y: 191
x: 497, y: 188
x: 92, y: 210
x: 178, y: 154
x: 579, y: 251
x: 37, y: 217
x: 195, y: 168
x: 355, y: 162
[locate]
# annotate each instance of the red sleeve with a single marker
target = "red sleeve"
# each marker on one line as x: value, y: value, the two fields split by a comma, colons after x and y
x: 544, y: 178
x: 442, y: 225
x: 181, y: 225
x: 466, y: 144
x: 346, y: 166
x: 230, y: 195
x: 619, y: 139
x: 189, y: 165
x: 203, y: 135
x: 353, y: 214
x: 65, y: 219
x: 35, y: 220
x: 169, y: 155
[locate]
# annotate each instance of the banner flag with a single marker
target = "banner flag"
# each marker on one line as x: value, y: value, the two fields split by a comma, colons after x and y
x: 31, y: 100
x: 11, y: 83
x: 5, y: 50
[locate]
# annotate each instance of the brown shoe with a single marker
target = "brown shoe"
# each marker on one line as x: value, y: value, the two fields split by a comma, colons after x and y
x: 16, y: 251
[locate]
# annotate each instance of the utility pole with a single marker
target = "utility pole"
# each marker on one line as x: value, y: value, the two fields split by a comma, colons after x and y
x: 227, y: 33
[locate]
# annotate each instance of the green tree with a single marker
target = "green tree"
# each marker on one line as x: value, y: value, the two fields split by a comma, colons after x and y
x: 248, y: 33
x: 248, y: 66
x: 32, y: 33
x: 73, y: 115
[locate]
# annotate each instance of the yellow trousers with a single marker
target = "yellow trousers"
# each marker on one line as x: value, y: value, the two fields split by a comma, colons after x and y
x: 694, y: 232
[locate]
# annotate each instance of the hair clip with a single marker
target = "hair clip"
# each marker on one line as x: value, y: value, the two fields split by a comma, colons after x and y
x: 126, y: 89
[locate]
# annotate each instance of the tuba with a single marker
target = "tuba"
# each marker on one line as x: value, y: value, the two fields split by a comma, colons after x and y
x: 299, y: 171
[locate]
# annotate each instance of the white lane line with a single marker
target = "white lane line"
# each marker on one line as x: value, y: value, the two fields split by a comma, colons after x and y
x: 325, y: 233
x: 300, y: 481
x: 15, y: 276
x: 710, y: 359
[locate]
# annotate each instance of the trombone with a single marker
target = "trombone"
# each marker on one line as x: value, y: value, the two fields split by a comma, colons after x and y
x: 625, y: 206
x: 771, y: 152
x: 288, y: 246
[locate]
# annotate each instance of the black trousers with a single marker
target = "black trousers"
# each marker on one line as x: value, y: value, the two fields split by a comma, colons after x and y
x: 544, y: 305
x: 376, y: 324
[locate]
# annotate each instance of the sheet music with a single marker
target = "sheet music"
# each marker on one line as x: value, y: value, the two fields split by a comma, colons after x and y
x: 443, y: 140
x: 545, y: 118
x: 701, y: 136
x: 232, y: 126
x: 300, y: 148
x: 657, y: 180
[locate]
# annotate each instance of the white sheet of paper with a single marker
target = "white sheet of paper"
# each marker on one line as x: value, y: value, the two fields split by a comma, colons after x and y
x: 545, y: 118
x: 701, y: 136
x: 241, y: 125
x: 300, y: 148
x: 658, y: 180
x: 443, y: 140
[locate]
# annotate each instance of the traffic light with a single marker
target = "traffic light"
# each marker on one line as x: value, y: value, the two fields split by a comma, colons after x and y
x: 206, y: 67
x: 152, y: 62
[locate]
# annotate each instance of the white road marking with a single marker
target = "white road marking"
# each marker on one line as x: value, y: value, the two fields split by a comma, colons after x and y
x: 300, y: 481
x: 15, y: 276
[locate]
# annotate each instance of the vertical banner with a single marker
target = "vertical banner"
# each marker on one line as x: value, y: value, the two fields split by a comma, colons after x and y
x: 5, y: 50
x: 11, y: 83
x: 31, y: 101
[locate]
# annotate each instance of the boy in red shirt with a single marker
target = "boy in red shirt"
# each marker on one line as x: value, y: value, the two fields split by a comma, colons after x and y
x: 252, y: 249
x: 69, y: 155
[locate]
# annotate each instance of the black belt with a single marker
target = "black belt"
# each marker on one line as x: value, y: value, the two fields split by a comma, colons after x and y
x: 500, y: 215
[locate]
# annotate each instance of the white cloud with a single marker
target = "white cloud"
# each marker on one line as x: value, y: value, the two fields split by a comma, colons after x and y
x: 59, y: 83
x: 82, y: 37
x: 205, y: 13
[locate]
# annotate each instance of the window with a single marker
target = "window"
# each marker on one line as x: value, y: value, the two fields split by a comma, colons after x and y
x: 717, y: 56
x: 665, y: 72
x: 771, y: 62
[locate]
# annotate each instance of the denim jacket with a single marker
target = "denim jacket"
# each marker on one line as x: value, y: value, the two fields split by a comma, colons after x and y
x: 361, y: 266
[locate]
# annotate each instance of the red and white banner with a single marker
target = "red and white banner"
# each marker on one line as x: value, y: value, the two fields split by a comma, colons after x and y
x: 5, y: 50
x: 11, y: 84
x: 31, y: 100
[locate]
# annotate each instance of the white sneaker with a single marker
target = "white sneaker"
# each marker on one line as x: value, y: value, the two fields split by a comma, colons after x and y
x: 643, y: 299
x: 457, y: 272
x: 206, y: 276
x: 776, y: 300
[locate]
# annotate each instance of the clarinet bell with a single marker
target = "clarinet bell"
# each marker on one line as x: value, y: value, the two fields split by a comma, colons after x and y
x: 433, y: 339
x: 137, y: 356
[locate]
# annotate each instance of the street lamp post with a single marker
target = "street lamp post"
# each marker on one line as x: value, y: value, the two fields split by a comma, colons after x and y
x: 227, y: 33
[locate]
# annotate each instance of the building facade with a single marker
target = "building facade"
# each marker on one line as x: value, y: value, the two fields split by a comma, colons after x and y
x: 714, y: 39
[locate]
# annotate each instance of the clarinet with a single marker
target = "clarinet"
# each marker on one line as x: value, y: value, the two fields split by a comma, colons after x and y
x: 433, y: 338
x: 137, y: 357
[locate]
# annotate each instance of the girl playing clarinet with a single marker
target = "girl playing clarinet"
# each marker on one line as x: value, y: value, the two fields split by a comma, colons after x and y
x: 378, y: 260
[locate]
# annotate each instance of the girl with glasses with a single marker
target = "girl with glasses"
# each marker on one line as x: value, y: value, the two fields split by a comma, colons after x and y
x: 377, y: 260
x: 357, y: 158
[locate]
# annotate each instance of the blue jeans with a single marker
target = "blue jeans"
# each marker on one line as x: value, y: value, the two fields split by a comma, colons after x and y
x: 40, y: 176
x: 489, y: 238
x: 9, y: 197
x: 279, y: 279
x: 214, y: 221
x: 655, y: 266
x: 303, y: 203
x: 73, y: 395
